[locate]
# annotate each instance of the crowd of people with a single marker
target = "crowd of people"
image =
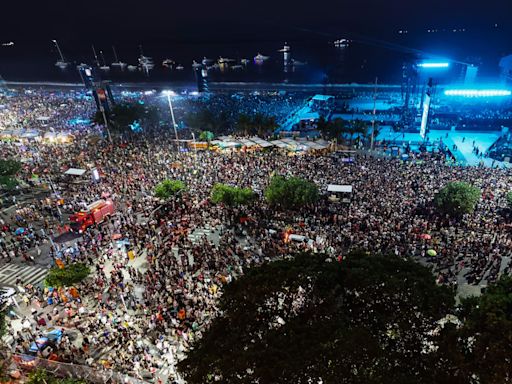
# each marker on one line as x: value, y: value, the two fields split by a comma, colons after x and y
x: 141, y: 313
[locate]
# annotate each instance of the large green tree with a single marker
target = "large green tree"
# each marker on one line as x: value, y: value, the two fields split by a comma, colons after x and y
x: 332, y: 129
x: 257, y: 124
x: 457, y: 198
x: 168, y: 188
x: 8, y: 170
x: 68, y: 276
x: 291, y: 192
x: 509, y: 199
x: 368, y: 319
x: 205, y: 120
x: 41, y: 376
x: 485, y: 339
x: 231, y: 196
x: 206, y: 136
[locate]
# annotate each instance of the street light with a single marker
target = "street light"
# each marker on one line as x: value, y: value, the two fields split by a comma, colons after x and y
x: 195, y: 148
x: 169, y: 94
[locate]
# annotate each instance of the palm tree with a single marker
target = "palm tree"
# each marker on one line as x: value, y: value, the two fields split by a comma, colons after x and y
x: 338, y: 127
x: 375, y: 132
x: 268, y: 125
x: 358, y: 126
x: 323, y: 127
x: 245, y: 124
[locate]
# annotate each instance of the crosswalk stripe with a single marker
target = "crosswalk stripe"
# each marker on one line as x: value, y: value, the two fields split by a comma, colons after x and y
x: 28, y: 274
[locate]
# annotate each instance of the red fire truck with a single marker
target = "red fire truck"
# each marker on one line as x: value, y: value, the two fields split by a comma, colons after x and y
x: 93, y: 214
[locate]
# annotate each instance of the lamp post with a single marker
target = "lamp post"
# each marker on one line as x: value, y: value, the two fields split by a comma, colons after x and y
x: 169, y: 94
x: 195, y: 147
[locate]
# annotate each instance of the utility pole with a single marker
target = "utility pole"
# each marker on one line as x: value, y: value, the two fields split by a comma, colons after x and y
x: 173, y: 120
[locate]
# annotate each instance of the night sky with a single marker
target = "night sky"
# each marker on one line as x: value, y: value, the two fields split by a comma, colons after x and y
x: 188, y: 20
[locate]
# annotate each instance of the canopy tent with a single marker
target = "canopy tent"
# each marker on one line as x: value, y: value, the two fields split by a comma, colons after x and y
x: 61, y: 137
x: 30, y: 133
x: 230, y: 144
x: 75, y: 171
x: 262, y: 143
x: 279, y: 144
x: 339, y: 188
x: 341, y: 193
x: 311, y: 145
x: 21, y: 133
x: 7, y: 133
x: 248, y: 143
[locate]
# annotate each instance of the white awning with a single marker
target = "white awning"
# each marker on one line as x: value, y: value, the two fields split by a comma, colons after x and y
x: 339, y: 188
x: 75, y: 172
x: 261, y: 142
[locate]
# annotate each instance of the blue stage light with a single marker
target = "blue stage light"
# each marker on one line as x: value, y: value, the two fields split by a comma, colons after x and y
x: 477, y: 92
x: 433, y: 65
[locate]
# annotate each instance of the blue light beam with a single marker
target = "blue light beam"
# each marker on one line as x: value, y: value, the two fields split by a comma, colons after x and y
x: 477, y: 92
x: 433, y: 65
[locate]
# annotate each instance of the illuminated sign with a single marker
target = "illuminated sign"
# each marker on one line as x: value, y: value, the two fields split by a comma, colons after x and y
x: 433, y: 65
x: 477, y: 92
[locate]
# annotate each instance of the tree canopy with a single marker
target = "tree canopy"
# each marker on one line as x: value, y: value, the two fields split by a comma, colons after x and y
x: 368, y: 319
x: 509, y: 199
x: 9, y: 167
x: 485, y: 339
x: 457, y: 198
x: 8, y: 170
x: 231, y: 196
x: 291, y: 192
x: 206, y: 120
x: 68, y: 276
x: 168, y: 188
x: 206, y: 136
x: 3, y: 323
x: 40, y: 376
x: 333, y: 129
x: 122, y: 117
x: 257, y: 124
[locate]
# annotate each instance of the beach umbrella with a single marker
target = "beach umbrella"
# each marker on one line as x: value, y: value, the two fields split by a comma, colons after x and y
x: 19, y: 231
x: 431, y: 252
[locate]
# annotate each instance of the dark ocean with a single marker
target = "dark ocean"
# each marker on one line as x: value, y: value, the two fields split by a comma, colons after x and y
x: 361, y: 62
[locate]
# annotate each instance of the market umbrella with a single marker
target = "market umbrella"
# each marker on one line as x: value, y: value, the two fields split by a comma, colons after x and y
x: 431, y: 252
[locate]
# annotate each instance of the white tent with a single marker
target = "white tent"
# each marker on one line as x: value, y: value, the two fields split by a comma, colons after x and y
x: 262, y: 143
x: 75, y: 171
x: 339, y: 188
